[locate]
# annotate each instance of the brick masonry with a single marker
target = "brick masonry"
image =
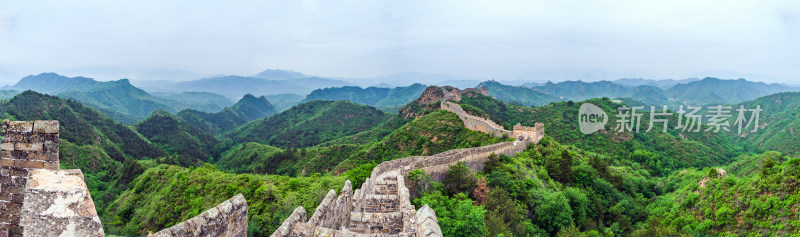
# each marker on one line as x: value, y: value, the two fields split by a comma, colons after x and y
x: 26, y: 146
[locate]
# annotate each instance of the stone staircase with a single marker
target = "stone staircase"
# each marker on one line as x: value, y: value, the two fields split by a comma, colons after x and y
x: 379, y: 211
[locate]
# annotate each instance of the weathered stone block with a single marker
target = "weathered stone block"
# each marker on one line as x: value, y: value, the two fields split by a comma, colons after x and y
x: 7, y: 146
x: 19, y: 126
x: 58, y: 203
x: 14, y: 137
x: 45, y: 126
x: 28, y: 146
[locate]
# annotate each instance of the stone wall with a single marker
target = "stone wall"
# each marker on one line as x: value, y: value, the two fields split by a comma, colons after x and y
x: 229, y: 218
x: 26, y: 145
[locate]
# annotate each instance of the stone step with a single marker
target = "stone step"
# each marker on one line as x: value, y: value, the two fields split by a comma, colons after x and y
x: 376, y: 203
x: 385, y: 187
x: 376, y: 223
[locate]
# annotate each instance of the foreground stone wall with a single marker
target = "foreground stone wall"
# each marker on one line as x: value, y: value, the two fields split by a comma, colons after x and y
x: 229, y: 218
x: 36, y: 198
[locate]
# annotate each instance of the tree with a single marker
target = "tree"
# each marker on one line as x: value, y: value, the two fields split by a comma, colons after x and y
x: 504, y: 215
x: 553, y: 212
x: 481, y: 191
x: 457, y: 216
x: 579, y: 204
x: 459, y: 179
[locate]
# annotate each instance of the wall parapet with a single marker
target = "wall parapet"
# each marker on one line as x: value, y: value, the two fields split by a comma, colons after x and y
x: 229, y: 218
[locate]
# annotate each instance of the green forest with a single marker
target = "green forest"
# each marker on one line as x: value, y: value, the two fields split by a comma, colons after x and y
x: 168, y: 167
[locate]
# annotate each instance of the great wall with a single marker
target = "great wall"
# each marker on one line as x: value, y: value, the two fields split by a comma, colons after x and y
x: 39, y: 199
x: 382, y: 206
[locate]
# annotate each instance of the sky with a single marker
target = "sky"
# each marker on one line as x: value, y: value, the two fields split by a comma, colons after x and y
x: 504, y: 40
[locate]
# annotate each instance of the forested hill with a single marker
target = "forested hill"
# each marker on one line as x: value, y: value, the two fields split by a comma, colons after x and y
x: 660, y: 152
x: 247, y: 109
x: 386, y: 99
x: 102, y: 148
x: 187, y: 145
x: 309, y: 124
x: 779, y: 123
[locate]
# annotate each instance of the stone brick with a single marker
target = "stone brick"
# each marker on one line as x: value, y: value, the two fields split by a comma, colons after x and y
x: 52, y: 165
x: 30, y: 164
x: 28, y: 146
x: 17, y: 198
x: 6, y: 162
x: 13, y: 137
x: 45, y: 126
x: 7, y: 146
x: 19, y: 126
x: 50, y: 146
x: 5, y: 218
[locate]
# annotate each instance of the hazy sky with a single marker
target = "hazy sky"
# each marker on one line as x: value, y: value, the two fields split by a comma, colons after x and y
x: 529, y: 40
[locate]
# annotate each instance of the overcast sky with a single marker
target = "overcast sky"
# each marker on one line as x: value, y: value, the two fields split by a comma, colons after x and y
x: 527, y: 40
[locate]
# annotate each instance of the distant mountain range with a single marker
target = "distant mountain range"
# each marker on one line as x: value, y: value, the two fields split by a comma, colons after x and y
x: 690, y: 91
x: 119, y: 99
x: 268, y: 82
x: 387, y: 99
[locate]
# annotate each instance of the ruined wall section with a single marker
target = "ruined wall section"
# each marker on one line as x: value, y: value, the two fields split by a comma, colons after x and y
x: 229, y: 218
x: 535, y: 133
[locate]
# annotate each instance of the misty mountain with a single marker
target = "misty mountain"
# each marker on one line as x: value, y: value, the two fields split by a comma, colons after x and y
x: 519, y: 95
x: 278, y: 74
x: 409, y: 78
x: 284, y: 101
x: 662, y: 84
x: 119, y: 99
x: 386, y: 99
x: 198, y: 98
x: 236, y: 86
x: 713, y: 90
x: 52, y: 83
x: 578, y: 90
